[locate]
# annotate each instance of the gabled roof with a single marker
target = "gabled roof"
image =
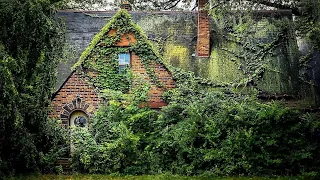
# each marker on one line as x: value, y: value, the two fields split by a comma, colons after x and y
x: 123, y: 24
x: 161, y: 27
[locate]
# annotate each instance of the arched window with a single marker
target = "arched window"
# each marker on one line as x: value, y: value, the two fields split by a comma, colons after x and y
x: 78, y: 118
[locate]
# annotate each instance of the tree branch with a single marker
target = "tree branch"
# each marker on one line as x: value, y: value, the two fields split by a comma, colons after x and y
x: 173, y: 5
x: 295, y: 10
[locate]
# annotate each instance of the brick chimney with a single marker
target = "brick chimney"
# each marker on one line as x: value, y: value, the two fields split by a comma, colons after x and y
x: 126, y: 5
x: 203, y: 44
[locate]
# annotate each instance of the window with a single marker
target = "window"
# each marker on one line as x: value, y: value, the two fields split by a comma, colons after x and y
x: 124, y: 61
x: 79, y: 119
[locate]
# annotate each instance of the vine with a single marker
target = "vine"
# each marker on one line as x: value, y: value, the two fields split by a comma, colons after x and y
x: 99, y: 60
x: 254, y: 52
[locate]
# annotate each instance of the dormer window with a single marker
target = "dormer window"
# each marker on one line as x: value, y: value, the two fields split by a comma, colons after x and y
x: 124, y: 61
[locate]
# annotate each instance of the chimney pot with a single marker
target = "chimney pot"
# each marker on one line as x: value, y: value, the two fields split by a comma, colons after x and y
x: 126, y: 5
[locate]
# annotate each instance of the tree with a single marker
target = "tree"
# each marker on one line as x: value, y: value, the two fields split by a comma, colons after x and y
x: 31, y: 45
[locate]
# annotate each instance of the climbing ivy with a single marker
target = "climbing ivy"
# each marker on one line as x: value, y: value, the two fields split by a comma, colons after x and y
x: 252, y: 45
x: 101, y: 57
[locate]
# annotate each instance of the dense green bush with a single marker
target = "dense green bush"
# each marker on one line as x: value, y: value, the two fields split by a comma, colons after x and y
x: 209, y: 133
x: 31, y: 45
x: 54, y: 144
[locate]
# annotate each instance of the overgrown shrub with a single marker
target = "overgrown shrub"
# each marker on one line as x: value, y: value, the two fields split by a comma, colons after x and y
x: 54, y: 139
x: 215, y: 133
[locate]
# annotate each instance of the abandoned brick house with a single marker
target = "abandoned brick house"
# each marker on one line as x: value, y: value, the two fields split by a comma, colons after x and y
x: 185, y: 39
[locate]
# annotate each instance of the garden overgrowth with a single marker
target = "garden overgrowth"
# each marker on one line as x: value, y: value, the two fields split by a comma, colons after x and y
x: 201, y: 132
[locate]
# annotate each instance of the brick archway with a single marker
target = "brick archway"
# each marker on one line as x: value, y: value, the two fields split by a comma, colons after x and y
x: 78, y: 104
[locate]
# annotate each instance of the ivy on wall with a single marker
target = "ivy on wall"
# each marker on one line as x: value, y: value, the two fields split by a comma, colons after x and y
x: 257, y: 47
x: 102, y: 55
x: 254, y: 52
x: 254, y: 55
x: 246, y: 50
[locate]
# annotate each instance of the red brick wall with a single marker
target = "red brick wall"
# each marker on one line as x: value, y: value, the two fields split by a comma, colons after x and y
x: 155, y: 94
x: 203, y: 44
x: 126, y: 39
x: 75, y: 94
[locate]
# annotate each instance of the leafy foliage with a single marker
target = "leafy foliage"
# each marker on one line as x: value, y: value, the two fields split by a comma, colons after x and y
x: 201, y: 131
x: 101, y: 57
x: 110, y: 146
x: 30, y: 48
